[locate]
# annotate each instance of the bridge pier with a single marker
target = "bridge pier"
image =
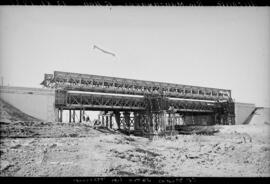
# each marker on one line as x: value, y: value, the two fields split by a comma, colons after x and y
x: 60, y: 115
x: 117, y: 118
x: 137, y: 117
x: 144, y: 121
x: 110, y: 120
x: 83, y: 113
x: 163, y: 120
x: 102, y: 119
x: 132, y: 121
x: 127, y: 120
x: 122, y: 121
x: 140, y: 123
x: 156, y: 122
x: 106, y: 120
x: 80, y: 116
x: 73, y: 116
x: 69, y: 113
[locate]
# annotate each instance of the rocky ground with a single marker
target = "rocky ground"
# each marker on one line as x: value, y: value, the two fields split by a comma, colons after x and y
x: 58, y: 149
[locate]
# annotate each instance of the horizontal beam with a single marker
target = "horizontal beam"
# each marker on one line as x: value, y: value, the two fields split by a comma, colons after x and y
x: 102, y: 107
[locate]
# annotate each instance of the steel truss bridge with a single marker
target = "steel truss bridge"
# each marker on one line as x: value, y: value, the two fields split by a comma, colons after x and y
x: 153, y: 103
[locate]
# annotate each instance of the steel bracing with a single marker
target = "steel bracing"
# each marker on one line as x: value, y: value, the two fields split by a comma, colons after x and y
x: 148, y: 100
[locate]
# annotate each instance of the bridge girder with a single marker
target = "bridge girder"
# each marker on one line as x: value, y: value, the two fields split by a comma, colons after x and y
x: 111, y: 102
x: 96, y: 83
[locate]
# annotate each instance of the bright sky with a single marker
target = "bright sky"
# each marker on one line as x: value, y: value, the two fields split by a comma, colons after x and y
x: 223, y: 47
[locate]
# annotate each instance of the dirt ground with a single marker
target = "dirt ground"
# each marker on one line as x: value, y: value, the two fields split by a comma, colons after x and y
x: 241, y: 150
x: 60, y: 149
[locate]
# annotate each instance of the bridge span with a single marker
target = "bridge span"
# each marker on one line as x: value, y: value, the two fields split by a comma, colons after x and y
x: 146, y: 106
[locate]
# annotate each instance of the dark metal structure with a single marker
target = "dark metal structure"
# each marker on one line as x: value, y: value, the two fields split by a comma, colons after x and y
x: 150, y: 103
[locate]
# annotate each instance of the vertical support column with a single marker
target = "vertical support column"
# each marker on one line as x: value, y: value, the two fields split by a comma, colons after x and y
x: 142, y: 122
x: 163, y: 120
x: 145, y: 123
x: 153, y: 123
x: 232, y: 119
x: 110, y: 120
x: 61, y: 114
x: 69, y: 120
x: 56, y: 115
x: 173, y: 121
x: 107, y: 119
x: 192, y: 118
x: 83, y: 114
x: 184, y: 119
x: 137, y: 120
x: 131, y: 121
x: 216, y: 118
x: 73, y: 116
x: 80, y: 115
x: 169, y: 120
x: 150, y: 123
x: 156, y: 120
x: 127, y: 119
x: 117, y: 118
x: 103, y: 120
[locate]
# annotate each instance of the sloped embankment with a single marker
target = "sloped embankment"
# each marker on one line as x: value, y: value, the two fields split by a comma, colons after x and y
x: 9, y: 113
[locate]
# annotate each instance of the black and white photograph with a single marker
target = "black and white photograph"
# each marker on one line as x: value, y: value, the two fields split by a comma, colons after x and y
x: 134, y: 91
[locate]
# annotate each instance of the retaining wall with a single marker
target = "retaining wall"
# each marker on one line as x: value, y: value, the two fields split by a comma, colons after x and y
x: 36, y: 102
x: 242, y: 111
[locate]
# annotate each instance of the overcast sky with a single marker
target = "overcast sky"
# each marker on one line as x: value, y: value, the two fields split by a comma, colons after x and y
x: 222, y: 47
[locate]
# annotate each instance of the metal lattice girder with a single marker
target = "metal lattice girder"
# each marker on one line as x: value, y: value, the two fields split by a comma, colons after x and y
x: 184, y: 105
x: 97, y: 101
x: 96, y: 83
